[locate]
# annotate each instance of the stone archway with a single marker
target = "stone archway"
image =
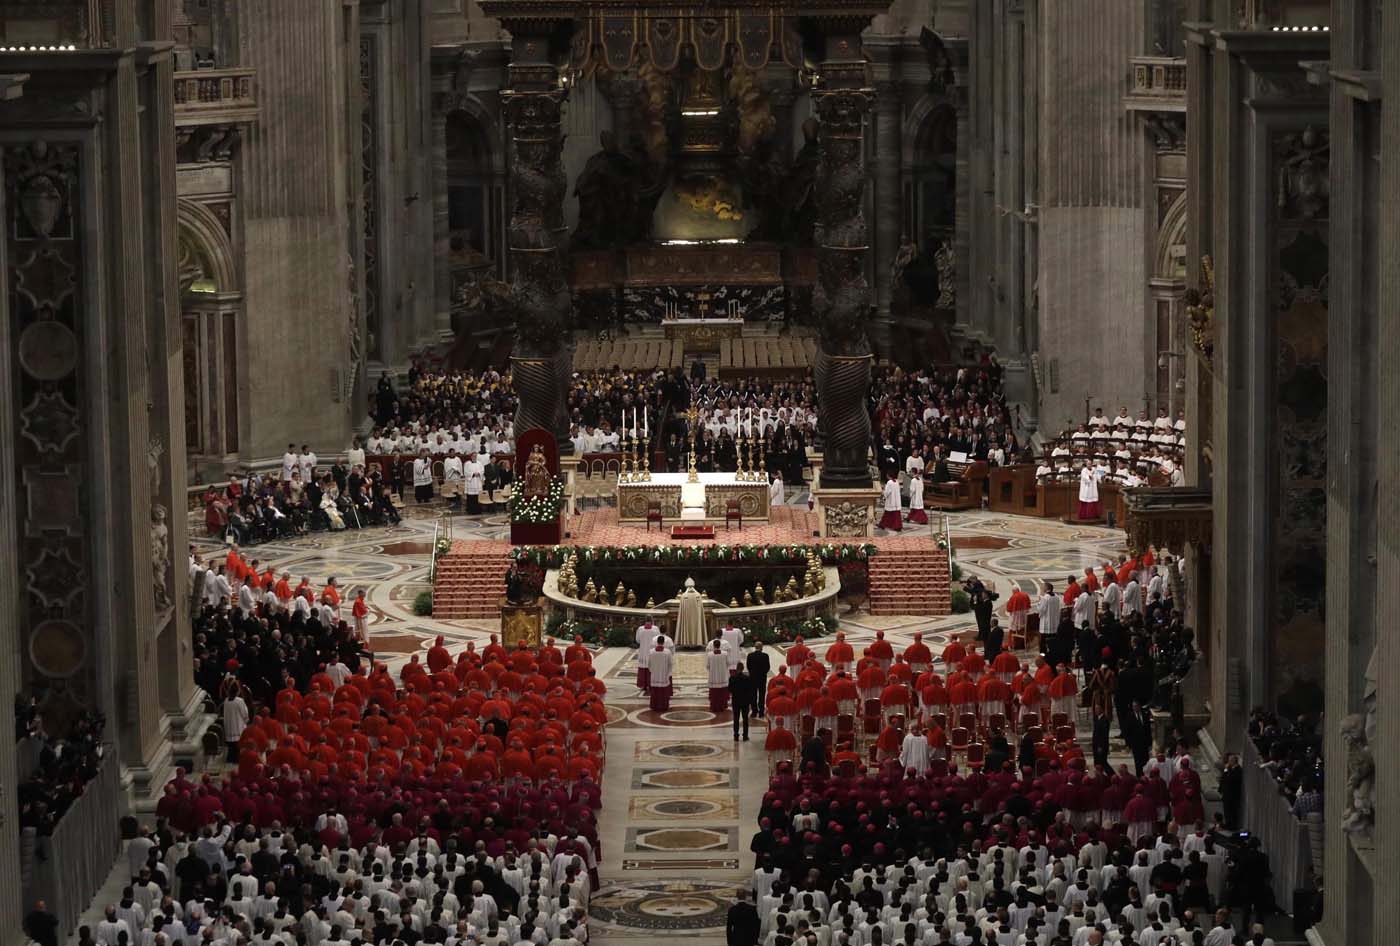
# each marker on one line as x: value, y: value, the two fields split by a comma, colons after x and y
x: 1167, y: 284
x: 931, y: 171
x: 211, y: 302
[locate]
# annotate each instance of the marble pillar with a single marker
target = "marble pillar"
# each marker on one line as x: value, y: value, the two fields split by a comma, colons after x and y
x: 889, y: 203
x: 295, y: 220
x: 12, y: 650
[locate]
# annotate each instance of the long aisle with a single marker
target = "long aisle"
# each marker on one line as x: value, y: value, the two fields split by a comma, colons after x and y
x: 680, y: 799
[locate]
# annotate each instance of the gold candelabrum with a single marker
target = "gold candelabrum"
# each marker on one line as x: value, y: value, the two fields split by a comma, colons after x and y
x: 694, y: 417
x: 762, y: 459
x: 623, y: 476
x: 645, y: 475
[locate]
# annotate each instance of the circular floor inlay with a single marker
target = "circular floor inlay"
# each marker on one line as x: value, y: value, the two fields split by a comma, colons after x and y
x: 679, y: 807
x: 681, y: 839
x: 689, y: 750
x: 687, y: 716
x: 665, y: 905
x: 685, y: 778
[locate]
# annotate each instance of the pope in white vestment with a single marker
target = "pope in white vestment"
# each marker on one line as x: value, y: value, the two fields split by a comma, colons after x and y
x: 690, y: 625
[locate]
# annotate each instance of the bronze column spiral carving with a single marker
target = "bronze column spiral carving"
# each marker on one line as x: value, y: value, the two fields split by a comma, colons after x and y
x: 841, y: 298
x: 540, y: 361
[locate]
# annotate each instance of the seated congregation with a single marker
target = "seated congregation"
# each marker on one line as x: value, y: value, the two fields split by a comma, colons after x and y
x: 454, y: 801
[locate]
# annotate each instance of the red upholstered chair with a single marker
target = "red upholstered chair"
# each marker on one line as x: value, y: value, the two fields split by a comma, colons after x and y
x: 845, y: 726
x: 938, y: 768
x: 732, y: 512
x: 1059, y: 719
x: 1036, y: 733
x: 940, y: 720
x: 976, y: 755
x: 654, y: 515
x: 959, y: 739
x: 1064, y: 733
x: 967, y: 720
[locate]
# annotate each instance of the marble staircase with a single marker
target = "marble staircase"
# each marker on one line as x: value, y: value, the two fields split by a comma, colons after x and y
x: 910, y: 581
x: 471, y: 580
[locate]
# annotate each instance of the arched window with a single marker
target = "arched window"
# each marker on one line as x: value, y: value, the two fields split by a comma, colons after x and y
x: 211, y: 303
x: 933, y: 210
x: 473, y: 195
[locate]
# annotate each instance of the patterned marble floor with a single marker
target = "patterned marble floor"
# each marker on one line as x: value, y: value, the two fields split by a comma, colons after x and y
x: 680, y: 796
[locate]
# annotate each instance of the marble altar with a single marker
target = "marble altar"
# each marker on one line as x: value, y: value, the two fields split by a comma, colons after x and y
x: 683, y: 500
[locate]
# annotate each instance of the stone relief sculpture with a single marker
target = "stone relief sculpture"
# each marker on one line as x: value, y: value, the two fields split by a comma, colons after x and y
x: 756, y: 121
x: 1304, y: 185
x: 607, y: 191
x: 1200, y: 310
x: 800, y: 187
x: 160, y: 557
x: 1359, y: 818
x: 945, y: 261
x: 160, y: 532
x: 847, y: 520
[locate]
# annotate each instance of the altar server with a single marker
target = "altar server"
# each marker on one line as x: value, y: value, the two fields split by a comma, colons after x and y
x: 473, y: 475
x: 916, y: 498
x: 1088, y: 494
x: 717, y: 672
x: 892, y: 520
x: 423, y: 478
x: 646, y: 640
x: 659, y: 663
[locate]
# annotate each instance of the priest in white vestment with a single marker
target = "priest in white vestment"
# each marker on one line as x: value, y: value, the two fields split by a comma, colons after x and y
x: 646, y: 640
x: 1048, y: 607
x: 776, y: 495
x: 914, y: 752
x: 659, y: 664
x: 717, y: 673
x: 1132, y: 597
x: 1089, y: 494
x: 690, y: 625
x: 1083, y: 610
x: 734, y: 640
x: 1113, y: 599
